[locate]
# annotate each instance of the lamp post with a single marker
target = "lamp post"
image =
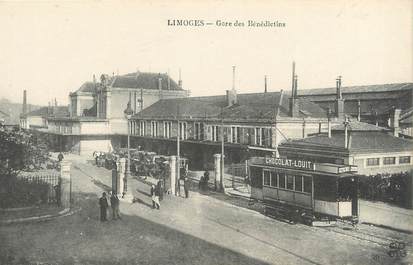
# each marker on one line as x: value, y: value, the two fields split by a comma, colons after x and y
x: 128, y: 114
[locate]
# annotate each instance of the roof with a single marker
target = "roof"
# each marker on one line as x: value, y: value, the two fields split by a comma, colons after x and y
x: 357, y: 89
x: 406, y: 117
x: 250, y: 106
x: 360, y: 127
x: 145, y: 81
x: 59, y: 111
x: 87, y: 87
x: 360, y: 142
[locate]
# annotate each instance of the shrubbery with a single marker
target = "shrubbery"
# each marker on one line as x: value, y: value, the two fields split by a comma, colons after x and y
x: 24, y: 193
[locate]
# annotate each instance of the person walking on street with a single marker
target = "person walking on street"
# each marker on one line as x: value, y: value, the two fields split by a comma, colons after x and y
x: 114, y: 203
x: 103, y: 203
x: 186, y: 187
x: 155, y: 197
x: 60, y: 157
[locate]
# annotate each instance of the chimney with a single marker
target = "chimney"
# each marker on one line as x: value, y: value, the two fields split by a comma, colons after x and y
x: 329, y: 122
x: 180, y: 80
x: 346, y: 124
x: 339, y: 99
x: 159, y: 81
x: 169, y: 81
x: 24, y: 111
x: 358, y: 110
x: 394, y: 124
x: 232, y: 94
x: 265, y: 84
x: 294, y: 108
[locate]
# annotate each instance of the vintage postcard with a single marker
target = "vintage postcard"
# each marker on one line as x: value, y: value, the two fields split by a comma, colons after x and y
x: 206, y: 132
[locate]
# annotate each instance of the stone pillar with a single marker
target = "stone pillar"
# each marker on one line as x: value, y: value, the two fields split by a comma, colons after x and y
x: 121, y: 166
x: 217, y: 171
x: 172, y: 172
x: 65, y: 184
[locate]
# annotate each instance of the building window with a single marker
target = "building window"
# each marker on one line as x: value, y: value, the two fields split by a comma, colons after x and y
x: 196, y: 133
x: 182, y: 131
x: 274, y: 179
x: 267, y: 178
x: 389, y: 160
x: 373, y: 162
x: 307, y: 184
x: 215, y: 133
x: 281, y: 180
x: 167, y: 129
x: 290, y: 182
x: 142, y: 128
x: 404, y: 160
x: 154, y: 129
x: 258, y: 137
x: 298, y: 183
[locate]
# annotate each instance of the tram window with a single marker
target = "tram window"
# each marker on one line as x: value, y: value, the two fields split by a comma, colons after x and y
x: 373, y: 161
x: 307, y: 184
x: 290, y: 182
x: 273, y: 179
x: 281, y: 180
x: 389, y: 160
x: 266, y: 177
x: 299, y: 183
x: 404, y: 160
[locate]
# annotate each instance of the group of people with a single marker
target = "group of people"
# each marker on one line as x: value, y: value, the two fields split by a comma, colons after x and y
x: 114, y: 204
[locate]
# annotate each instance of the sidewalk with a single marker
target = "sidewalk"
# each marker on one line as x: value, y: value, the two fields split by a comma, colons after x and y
x: 382, y: 214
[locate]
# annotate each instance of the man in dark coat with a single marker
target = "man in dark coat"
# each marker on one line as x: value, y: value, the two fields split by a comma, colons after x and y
x: 103, y: 203
x: 186, y: 187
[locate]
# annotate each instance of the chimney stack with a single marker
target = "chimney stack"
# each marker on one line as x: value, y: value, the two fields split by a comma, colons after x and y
x: 180, y: 79
x: 169, y: 81
x: 339, y: 99
x: 294, y: 108
x: 24, y: 102
x: 329, y: 122
x: 265, y: 84
x: 232, y: 94
x: 346, y: 124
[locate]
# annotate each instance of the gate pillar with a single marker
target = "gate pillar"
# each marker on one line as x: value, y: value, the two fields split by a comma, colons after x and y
x: 121, y: 166
x: 217, y: 172
x: 65, y: 184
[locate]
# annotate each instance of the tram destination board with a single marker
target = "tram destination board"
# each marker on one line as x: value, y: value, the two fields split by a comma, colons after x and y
x: 290, y: 163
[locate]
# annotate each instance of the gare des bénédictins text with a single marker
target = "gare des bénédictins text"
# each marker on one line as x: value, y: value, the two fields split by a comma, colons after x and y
x: 223, y: 23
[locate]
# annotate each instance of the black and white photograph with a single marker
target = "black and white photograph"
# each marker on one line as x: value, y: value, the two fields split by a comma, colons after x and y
x: 212, y: 132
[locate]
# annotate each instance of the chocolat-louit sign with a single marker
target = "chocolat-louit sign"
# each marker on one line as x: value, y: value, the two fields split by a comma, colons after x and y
x: 293, y: 163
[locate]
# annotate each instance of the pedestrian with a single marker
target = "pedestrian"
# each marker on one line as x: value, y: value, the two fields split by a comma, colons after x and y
x: 186, y: 187
x: 103, y: 203
x: 155, y: 197
x: 114, y: 203
x: 57, y: 189
x: 60, y: 157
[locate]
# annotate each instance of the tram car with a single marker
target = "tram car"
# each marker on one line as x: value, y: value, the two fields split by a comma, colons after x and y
x: 303, y: 191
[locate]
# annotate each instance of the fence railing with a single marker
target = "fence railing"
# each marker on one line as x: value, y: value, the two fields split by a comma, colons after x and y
x: 45, y: 186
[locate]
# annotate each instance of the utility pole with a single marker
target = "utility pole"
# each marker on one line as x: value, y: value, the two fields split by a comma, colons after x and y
x: 178, y: 160
x: 222, y: 150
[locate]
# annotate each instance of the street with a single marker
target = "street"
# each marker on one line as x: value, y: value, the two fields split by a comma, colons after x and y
x: 199, y: 230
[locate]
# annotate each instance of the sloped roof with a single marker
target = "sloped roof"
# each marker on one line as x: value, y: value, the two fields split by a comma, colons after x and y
x: 406, y: 117
x: 249, y: 106
x: 357, y: 89
x: 360, y: 142
x: 145, y: 81
x: 357, y: 126
x: 59, y: 111
x: 88, y: 87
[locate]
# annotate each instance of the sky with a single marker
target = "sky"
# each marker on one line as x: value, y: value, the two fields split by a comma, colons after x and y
x: 51, y: 48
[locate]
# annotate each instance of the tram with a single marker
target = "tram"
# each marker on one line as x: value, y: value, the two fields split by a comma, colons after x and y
x: 303, y: 191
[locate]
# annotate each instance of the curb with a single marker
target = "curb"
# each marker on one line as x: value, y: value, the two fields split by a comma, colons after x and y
x: 390, y: 228
x: 62, y: 213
